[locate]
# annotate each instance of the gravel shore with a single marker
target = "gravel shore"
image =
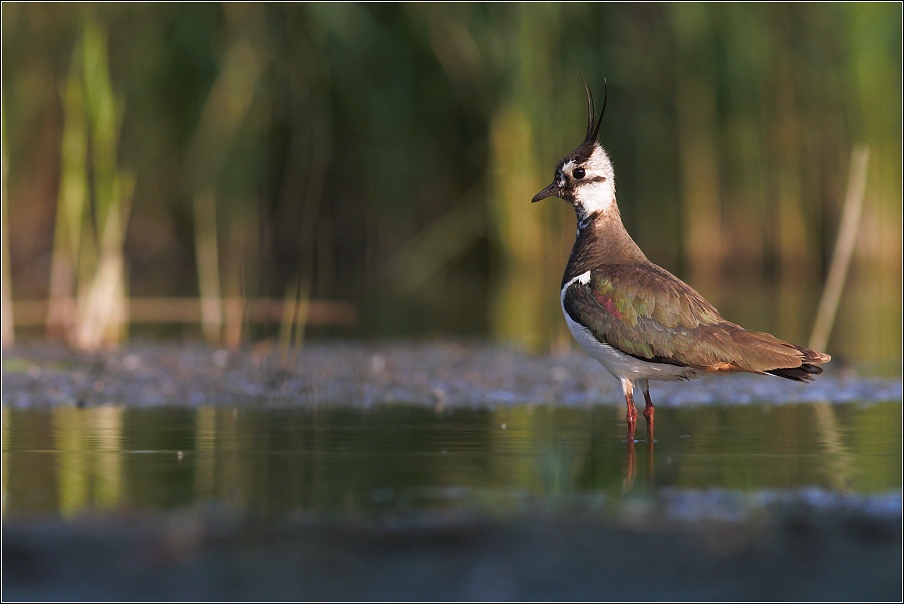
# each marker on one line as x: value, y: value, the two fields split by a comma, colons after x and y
x: 361, y: 375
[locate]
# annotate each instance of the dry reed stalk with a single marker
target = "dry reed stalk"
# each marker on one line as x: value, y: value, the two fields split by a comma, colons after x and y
x: 8, y: 336
x: 208, y: 261
x: 295, y: 315
x: 225, y: 108
x: 844, y: 249
x: 233, y: 319
x: 287, y: 320
x: 302, y: 311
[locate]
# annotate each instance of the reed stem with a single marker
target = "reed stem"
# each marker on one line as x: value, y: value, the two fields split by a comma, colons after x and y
x: 844, y: 249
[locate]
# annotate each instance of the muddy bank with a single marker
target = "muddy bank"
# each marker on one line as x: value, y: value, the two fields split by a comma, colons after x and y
x: 361, y: 375
x: 786, y: 551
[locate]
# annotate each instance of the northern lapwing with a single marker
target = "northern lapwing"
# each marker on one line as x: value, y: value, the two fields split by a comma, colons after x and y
x: 638, y: 320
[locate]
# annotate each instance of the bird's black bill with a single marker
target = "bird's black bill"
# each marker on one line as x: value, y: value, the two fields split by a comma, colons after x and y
x: 549, y: 191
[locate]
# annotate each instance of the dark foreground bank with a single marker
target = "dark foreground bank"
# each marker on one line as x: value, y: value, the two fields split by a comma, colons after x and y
x: 789, y: 552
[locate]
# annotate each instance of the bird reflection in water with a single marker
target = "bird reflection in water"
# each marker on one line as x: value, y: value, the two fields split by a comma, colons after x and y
x: 631, y: 470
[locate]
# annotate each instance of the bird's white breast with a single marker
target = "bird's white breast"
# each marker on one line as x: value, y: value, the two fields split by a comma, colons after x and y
x: 619, y: 364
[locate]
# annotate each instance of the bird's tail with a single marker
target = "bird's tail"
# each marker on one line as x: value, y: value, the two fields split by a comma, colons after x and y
x: 808, y: 368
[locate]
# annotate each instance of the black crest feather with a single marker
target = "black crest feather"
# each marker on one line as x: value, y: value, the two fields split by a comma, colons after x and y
x: 593, y: 129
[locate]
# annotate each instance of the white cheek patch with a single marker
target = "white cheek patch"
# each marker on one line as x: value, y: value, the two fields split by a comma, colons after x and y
x: 596, y: 196
x: 597, y: 193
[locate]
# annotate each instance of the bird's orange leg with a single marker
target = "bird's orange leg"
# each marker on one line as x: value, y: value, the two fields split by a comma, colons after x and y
x: 648, y: 413
x: 628, y: 388
x: 632, y: 456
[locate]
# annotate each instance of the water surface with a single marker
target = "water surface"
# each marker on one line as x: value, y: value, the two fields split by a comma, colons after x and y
x: 395, y: 458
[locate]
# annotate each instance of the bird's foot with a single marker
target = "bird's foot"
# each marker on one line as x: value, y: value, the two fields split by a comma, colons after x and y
x: 632, y: 426
x: 648, y: 415
x: 631, y: 416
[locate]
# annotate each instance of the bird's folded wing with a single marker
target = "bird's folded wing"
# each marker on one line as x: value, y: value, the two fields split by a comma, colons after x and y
x: 644, y: 311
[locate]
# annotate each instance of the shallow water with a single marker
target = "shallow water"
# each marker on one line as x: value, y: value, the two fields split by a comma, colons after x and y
x: 396, y: 459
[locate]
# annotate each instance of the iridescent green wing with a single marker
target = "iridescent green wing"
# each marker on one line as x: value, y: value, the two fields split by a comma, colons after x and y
x: 644, y: 311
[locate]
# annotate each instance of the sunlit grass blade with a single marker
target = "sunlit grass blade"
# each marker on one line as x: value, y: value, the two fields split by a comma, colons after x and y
x: 102, y: 313
x: 71, y: 204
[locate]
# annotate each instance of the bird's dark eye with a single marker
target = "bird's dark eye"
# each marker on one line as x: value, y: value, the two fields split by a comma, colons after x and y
x: 578, y: 173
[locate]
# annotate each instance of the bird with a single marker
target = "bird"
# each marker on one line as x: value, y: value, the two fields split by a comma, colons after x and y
x: 637, y: 319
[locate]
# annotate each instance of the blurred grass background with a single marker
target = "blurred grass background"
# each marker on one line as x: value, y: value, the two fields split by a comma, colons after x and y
x: 384, y: 156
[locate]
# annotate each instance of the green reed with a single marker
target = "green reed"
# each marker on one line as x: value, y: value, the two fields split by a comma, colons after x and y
x: 386, y: 156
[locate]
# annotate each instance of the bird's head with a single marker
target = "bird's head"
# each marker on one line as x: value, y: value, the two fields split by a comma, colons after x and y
x: 585, y: 178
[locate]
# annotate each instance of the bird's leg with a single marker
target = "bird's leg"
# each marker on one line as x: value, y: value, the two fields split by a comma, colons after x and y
x: 628, y: 388
x: 648, y: 410
x: 648, y: 414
